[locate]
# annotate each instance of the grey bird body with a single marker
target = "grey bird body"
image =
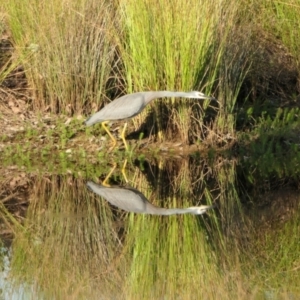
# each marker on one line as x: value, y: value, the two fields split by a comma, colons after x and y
x: 132, y: 200
x: 128, y: 106
x: 117, y: 109
x: 131, y: 105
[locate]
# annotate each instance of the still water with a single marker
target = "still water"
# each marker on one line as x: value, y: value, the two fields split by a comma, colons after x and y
x: 62, y: 240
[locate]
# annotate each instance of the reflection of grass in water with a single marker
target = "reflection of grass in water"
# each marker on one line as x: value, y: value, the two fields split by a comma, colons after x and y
x: 258, y: 260
x: 71, y: 243
x: 169, y: 255
x: 271, y: 258
x: 68, y: 246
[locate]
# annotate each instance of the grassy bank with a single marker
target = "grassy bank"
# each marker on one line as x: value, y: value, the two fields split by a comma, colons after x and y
x: 76, y: 56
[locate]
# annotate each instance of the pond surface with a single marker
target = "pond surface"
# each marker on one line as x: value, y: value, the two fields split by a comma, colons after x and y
x: 60, y: 240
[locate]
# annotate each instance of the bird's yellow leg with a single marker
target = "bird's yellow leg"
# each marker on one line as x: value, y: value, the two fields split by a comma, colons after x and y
x: 104, y: 182
x: 123, y: 136
x: 123, y: 171
x: 108, y: 132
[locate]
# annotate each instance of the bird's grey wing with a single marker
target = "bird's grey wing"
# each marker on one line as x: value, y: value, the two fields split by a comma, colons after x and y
x: 130, y: 200
x: 123, y: 108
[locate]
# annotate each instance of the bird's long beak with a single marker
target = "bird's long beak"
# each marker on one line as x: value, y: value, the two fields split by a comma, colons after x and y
x: 212, y: 98
x: 209, y: 97
x: 207, y: 207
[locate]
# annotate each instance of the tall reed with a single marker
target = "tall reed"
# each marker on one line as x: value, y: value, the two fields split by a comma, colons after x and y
x: 178, y: 46
x: 167, y: 45
x: 72, y: 57
x: 281, y: 19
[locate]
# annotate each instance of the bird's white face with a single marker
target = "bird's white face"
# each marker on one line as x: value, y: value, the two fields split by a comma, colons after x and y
x: 199, y: 210
x: 198, y: 95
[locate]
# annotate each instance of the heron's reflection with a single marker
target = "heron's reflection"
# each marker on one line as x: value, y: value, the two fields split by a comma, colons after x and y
x: 132, y: 200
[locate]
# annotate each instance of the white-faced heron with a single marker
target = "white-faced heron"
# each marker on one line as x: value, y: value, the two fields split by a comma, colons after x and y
x: 130, y: 105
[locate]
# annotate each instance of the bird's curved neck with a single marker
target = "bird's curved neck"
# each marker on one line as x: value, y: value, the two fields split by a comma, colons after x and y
x: 149, y: 96
x: 167, y: 94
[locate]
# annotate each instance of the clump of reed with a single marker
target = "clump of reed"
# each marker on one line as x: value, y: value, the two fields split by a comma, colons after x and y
x: 71, y: 51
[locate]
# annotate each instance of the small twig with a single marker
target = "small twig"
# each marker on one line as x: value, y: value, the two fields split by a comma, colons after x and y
x: 8, y: 198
